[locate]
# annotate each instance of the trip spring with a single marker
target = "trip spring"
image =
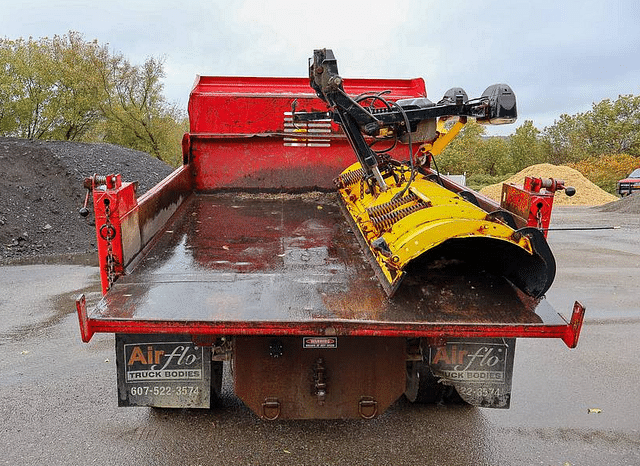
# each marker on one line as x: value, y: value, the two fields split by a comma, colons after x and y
x: 391, y: 205
x: 347, y: 179
x: 386, y: 221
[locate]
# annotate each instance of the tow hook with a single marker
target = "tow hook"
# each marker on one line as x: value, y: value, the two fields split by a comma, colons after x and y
x: 368, y: 407
x: 271, y: 409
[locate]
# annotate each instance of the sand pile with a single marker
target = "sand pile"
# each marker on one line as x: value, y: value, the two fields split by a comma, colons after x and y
x: 587, y: 193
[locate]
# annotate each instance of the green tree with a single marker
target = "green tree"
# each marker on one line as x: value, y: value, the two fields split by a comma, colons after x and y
x: 461, y: 155
x: 28, y: 87
x: 613, y: 127
x: 8, y: 88
x: 51, y: 87
x: 135, y: 109
x: 493, y: 156
x: 71, y: 89
x: 608, y: 128
x: 564, y: 141
x: 525, y: 147
x: 79, y: 90
x: 473, y: 153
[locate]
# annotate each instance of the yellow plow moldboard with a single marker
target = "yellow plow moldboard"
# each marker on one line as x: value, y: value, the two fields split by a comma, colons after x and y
x: 405, y: 231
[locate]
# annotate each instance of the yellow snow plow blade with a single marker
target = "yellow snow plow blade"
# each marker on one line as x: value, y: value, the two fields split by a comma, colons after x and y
x: 404, y: 229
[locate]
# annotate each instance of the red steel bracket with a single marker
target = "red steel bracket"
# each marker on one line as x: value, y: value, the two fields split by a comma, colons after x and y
x: 112, y: 200
x: 533, y: 201
x: 575, y: 325
x: 85, y: 327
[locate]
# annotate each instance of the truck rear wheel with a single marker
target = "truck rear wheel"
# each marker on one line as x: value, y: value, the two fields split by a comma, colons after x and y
x: 424, y: 387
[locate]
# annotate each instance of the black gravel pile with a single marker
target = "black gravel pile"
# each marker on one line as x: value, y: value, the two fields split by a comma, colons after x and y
x: 626, y: 205
x: 41, y: 192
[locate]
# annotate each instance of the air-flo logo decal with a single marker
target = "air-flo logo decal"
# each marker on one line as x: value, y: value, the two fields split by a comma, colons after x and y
x: 162, y: 361
x: 469, y: 362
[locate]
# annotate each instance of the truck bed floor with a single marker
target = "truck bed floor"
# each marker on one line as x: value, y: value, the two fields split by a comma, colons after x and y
x: 238, y: 260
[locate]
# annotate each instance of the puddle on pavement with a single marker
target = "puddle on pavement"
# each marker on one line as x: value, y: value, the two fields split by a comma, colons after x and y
x: 88, y: 259
x: 60, y: 306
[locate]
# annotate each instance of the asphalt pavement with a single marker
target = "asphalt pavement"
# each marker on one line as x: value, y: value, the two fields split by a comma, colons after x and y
x: 58, y: 401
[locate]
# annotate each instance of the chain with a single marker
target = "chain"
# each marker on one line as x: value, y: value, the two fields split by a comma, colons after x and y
x: 108, y: 233
x: 539, y: 218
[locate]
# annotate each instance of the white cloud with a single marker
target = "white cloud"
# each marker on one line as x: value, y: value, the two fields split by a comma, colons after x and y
x: 559, y: 57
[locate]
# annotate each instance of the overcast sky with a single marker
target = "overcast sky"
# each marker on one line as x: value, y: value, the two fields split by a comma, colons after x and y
x: 558, y: 56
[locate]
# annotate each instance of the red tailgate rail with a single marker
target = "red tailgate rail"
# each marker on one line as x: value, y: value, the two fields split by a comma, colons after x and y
x: 569, y: 332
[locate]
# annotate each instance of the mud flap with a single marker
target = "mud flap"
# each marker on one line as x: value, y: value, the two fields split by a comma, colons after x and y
x: 480, y: 369
x: 164, y: 371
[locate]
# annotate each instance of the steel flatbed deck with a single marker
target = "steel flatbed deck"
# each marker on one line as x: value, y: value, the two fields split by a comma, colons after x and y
x: 211, y: 266
x: 265, y: 264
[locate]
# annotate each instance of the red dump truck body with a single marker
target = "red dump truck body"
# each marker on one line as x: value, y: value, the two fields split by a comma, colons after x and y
x: 242, y: 255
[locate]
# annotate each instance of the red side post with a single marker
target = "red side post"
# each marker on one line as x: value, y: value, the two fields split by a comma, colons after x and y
x: 533, y: 201
x: 86, y: 332
x: 575, y: 325
x: 112, y: 199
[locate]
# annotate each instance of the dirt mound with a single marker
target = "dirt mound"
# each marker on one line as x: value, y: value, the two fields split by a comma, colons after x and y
x: 41, y: 192
x: 626, y: 205
x: 587, y: 193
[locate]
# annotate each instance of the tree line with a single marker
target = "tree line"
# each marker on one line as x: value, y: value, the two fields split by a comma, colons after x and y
x: 67, y: 88
x: 602, y: 143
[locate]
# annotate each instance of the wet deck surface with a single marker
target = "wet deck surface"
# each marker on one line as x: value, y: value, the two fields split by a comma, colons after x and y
x: 60, y: 399
x: 291, y: 258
